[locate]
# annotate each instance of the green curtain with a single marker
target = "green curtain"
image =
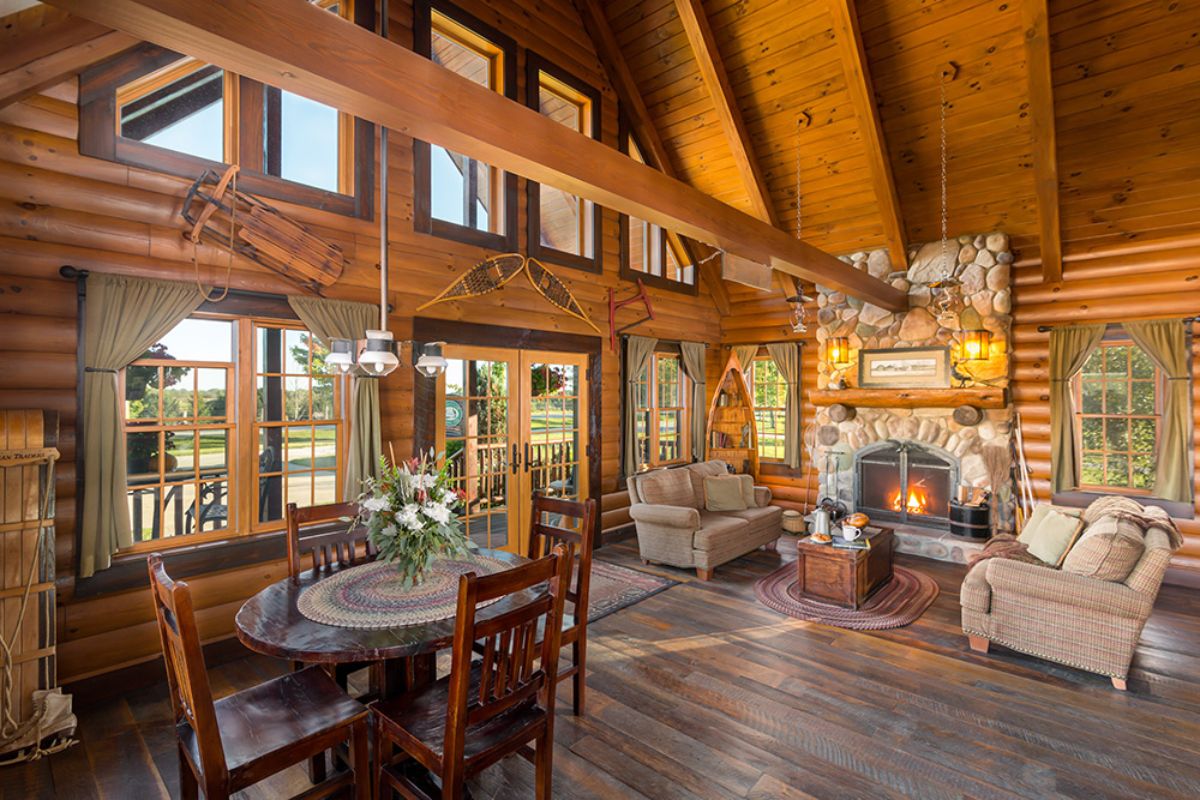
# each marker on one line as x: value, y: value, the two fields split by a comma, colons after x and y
x: 124, y: 317
x: 340, y: 319
x: 1069, y: 349
x: 637, y: 355
x: 694, y: 367
x: 1165, y: 341
x: 786, y: 356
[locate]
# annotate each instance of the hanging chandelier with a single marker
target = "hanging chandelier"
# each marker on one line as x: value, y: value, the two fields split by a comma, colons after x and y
x: 378, y: 354
x: 799, y: 300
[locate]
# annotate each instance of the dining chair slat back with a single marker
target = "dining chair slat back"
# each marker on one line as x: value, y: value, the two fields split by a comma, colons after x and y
x: 555, y: 520
x: 334, y: 545
x: 187, y: 677
x: 500, y: 702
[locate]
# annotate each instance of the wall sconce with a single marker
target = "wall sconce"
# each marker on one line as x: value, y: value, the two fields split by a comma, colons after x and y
x: 837, y: 351
x: 977, y: 345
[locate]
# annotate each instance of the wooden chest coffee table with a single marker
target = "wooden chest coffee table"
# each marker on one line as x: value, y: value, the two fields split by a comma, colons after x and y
x: 841, y: 576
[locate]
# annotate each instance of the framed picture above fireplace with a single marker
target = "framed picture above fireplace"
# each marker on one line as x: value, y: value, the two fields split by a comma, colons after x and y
x: 904, y: 368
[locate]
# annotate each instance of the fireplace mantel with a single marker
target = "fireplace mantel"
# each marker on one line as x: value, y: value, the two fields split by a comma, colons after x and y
x: 912, y: 398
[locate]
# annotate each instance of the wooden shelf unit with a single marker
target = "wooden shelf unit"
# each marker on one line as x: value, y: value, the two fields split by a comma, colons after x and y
x: 732, y: 433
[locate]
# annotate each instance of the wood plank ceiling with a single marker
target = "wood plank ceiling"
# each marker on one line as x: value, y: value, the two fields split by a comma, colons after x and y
x: 1125, y: 77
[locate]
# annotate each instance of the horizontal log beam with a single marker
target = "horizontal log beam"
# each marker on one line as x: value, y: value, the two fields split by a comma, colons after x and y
x: 44, y: 71
x: 911, y: 398
x: 305, y: 50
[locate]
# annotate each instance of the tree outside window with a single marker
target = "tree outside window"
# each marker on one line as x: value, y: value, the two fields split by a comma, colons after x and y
x: 1118, y: 406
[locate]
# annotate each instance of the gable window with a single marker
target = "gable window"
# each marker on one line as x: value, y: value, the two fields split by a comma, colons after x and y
x: 662, y: 413
x: 648, y: 253
x: 160, y: 110
x: 456, y: 196
x: 563, y: 228
x: 1118, y: 409
x: 769, y: 390
x: 227, y: 421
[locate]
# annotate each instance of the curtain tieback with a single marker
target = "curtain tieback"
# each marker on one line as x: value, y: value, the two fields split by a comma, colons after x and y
x: 100, y: 369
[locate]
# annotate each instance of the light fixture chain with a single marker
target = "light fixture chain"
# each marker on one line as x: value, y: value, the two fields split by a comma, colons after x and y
x: 945, y: 214
x: 799, y: 215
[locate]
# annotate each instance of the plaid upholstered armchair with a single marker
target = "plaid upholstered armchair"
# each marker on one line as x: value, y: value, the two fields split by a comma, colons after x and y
x: 1083, y: 615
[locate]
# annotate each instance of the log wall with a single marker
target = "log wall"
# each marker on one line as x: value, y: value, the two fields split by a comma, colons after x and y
x: 57, y: 207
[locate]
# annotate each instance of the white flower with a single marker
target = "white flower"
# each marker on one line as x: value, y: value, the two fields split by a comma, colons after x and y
x: 426, y: 481
x: 389, y: 531
x: 407, y: 516
x: 449, y: 497
x: 437, y: 513
x: 374, y: 504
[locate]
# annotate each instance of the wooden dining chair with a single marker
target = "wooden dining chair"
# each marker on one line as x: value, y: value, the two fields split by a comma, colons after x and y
x: 543, y: 536
x: 231, y: 743
x: 485, y: 708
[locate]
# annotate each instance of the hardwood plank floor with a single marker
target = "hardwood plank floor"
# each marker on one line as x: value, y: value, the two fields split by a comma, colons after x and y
x: 700, y: 692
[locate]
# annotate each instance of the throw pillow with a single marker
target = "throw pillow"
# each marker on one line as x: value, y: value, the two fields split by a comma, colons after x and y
x: 748, y: 490
x: 1053, y: 537
x: 724, y: 493
x: 1040, y: 511
x: 666, y: 487
x: 1108, y: 550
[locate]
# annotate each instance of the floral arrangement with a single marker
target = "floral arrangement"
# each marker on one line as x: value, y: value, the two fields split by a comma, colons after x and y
x: 409, y: 514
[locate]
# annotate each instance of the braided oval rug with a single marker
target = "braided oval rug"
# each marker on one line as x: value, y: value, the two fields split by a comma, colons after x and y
x: 373, y: 595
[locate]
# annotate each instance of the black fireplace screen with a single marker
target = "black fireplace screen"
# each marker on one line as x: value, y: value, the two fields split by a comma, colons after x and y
x: 905, y: 482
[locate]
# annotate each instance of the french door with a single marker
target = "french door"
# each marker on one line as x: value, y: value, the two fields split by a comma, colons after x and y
x: 512, y: 423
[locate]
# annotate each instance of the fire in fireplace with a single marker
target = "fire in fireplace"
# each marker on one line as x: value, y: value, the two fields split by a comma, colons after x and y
x: 905, y: 482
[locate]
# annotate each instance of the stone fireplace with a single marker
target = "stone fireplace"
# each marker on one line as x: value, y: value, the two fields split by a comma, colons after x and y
x: 902, y: 464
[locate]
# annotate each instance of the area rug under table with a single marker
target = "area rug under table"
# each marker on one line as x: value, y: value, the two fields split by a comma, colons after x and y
x: 899, y: 603
x: 613, y: 587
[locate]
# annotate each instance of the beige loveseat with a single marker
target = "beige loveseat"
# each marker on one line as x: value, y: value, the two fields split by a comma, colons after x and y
x: 674, y: 528
x: 1086, y: 614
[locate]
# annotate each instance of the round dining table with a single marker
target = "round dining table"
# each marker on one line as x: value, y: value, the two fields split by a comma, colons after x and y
x: 270, y: 623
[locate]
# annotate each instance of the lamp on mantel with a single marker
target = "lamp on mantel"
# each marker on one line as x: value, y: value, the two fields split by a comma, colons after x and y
x: 977, y: 345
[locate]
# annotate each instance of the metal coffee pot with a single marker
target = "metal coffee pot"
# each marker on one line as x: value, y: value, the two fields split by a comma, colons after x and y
x: 821, y: 520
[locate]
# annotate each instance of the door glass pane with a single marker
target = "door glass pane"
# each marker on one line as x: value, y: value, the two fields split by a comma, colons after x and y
x: 475, y: 420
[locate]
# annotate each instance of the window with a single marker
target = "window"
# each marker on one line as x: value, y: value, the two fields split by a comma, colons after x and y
x: 160, y: 110
x: 563, y: 228
x: 459, y: 197
x: 648, y: 253
x: 1117, y: 403
x: 204, y: 461
x: 769, y: 391
x: 662, y: 419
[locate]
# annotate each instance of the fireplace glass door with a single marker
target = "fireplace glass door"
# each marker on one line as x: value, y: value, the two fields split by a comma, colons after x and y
x: 904, y: 482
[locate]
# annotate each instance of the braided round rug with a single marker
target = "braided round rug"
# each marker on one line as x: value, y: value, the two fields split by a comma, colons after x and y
x: 374, y: 596
x: 902, y: 601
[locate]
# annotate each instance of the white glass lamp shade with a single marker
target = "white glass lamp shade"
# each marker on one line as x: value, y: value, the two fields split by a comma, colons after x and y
x: 340, y: 359
x: 431, y: 362
x: 378, y: 356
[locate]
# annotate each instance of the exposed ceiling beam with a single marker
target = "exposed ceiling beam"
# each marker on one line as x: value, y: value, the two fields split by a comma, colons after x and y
x: 1035, y: 27
x: 733, y: 125
x: 53, y: 54
x: 848, y: 37
x: 304, y: 49
x: 716, y: 81
x: 638, y: 115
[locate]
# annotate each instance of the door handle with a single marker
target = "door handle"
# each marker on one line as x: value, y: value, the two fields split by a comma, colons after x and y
x: 527, y: 456
x: 516, y: 459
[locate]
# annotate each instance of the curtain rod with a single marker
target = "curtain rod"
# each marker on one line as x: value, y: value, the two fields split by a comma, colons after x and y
x: 1048, y: 328
x: 798, y: 342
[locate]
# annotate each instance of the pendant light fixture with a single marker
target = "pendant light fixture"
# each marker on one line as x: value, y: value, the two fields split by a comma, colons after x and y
x: 800, y: 298
x: 946, y: 287
x: 378, y: 354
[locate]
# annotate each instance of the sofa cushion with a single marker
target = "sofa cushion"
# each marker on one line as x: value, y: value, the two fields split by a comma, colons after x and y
x: 760, y: 516
x: 667, y: 487
x: 724, y: 493
x: 1050, y: 533
x: 717, y: 530
x: 699, y: 472
x: 1108, y: 550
